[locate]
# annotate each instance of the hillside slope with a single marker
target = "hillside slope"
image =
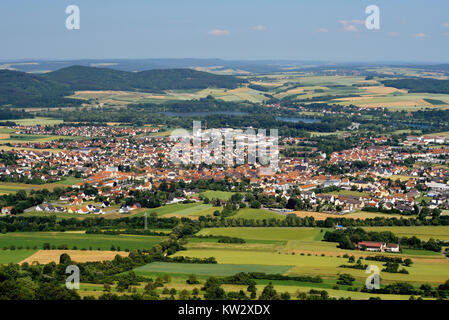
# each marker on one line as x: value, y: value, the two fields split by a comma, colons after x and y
x: 91, y: 78
x: 27, y: 90
x: 20, y: 89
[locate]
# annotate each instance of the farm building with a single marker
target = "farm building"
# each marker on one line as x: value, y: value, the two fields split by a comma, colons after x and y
x: 370, y: 246
x: 378, y: 246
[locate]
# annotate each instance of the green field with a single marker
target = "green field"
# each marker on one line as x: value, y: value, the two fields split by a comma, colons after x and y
x: 120, y: 98
x: 208, y: 269
x: 256, y: 214
x: 14, y: 256
x: 12, y: 187
x: 222, y: 195
x: 349, y: 193
x: 36, y: 121
x: 80, y: 240
x: 266, y: 233
x: 422, y: 232
x: 194, y: 210
x: 182, y: 209
x: 421, y: 253
x: 326, y: 266
x: 303, y: 249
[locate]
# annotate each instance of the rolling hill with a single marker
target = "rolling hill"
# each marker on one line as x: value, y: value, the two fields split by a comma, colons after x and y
x: 20, y: 89
x: 419, y: 85
x: 91, y: 78
x: 27, y: 90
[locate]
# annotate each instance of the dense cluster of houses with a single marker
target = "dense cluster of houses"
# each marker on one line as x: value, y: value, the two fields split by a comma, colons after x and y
x: 129, y: 159
x: 84, y: 131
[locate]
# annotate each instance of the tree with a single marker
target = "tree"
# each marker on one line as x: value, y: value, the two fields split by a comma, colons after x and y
x: 285, y: 296
x: 255, y: 204
x: 346, y: 243
x: 291, y: 203
x: 269, y: 293
x: 65, y: 259
x: 213, y: 289
x: 253, y: 290
x: 345, y: 279
x: 408, y: 262
x: 19, y: 289
x: 214, y: 292
x: 53, y: 291
x: 192, y: 279
x: 432, y: 245
x: 184, y: 295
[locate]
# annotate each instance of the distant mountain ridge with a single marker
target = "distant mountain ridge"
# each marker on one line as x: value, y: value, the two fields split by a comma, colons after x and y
x: 20, y: 89
x: 92, y: 78
x: 136, y: 65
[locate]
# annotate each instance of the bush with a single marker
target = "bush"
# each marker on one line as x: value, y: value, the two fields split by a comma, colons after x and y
x: 345, y: 279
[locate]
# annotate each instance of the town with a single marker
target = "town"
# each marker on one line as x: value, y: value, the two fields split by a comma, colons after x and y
x: 120, y: 161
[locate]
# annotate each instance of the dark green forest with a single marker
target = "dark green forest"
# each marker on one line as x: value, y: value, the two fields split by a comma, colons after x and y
x: 419, y: 85
x: 19, y: 89
x: 90, y: 78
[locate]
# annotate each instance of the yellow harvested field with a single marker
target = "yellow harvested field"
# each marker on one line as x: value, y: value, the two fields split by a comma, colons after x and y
x: 367, y: 81
x: 315, y: 215
x: 354, y: 98
x: 267, y: 84
x: 101, y: 92
x: 296, y: 90
x: 155, y: 97
x: 239, y: 90
x: 47, y: 256
x: 352, y: 215
x: 383, y: 90
x: 4, y: 136
x: 416, y: 103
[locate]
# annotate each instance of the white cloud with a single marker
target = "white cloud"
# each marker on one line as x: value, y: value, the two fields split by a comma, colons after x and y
x: 420, y: 35
x: 358, y: 21
x: 446, y: 24
x: 259, y: 28
x: 219, y: 32
x: 348, y: 27
x: 323, y: 30
x: 393, y: 34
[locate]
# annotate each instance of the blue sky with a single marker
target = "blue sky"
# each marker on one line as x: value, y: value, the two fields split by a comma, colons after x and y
x: 332, y: 30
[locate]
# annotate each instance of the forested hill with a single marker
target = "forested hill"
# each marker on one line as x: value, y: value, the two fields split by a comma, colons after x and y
x: 20, y: 89
x: 91, y: 78
x: 27, y: 90
x: 419, y: 85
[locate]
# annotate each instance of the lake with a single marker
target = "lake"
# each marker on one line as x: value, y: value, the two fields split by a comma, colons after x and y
x: 296, y: 120
x: 203, y: 113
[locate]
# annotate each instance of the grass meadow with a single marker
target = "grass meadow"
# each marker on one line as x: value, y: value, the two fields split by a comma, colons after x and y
x: 80, y: 240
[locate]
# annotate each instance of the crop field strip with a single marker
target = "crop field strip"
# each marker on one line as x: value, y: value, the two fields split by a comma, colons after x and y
x: 210, y: 269
x: 80, y: 240
x: 310, y: 256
